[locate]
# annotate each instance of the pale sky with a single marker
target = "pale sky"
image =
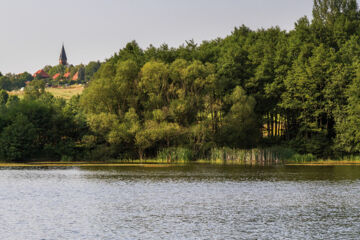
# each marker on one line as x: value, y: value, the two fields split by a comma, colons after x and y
x: 32, y: 31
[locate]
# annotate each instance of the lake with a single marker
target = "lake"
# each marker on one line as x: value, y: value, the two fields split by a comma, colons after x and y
x: 180, y: 202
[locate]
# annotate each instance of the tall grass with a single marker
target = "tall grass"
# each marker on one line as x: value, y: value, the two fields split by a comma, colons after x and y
x: 351, y: 158
x: 302, y: 158
x: 225, y: 155
x: 257, y: 156
x: 175, y: 155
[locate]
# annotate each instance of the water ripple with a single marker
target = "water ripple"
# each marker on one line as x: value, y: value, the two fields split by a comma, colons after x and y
x: 190, y: 202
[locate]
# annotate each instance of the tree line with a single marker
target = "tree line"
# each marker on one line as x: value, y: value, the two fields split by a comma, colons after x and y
x: 253, y: 88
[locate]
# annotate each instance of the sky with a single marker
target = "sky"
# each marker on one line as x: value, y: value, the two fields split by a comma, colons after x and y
x: 32, y: 31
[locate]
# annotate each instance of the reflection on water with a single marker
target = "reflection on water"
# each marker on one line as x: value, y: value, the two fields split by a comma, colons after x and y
x: 183, y: 202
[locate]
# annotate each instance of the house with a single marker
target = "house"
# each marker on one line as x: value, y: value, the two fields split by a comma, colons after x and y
x: 76, y: 76
x: 66, y: 75
x: 56, y: 76
x: 41, y: 74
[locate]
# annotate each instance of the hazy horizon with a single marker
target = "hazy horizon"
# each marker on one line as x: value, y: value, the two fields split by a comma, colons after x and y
x: 92, y: 30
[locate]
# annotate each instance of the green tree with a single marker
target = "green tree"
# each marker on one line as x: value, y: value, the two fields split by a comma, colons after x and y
x: 348, y: 120
x: 91, y: 69
x: 240, y: 127
x: 18, y: 140
x: 4, y: 96
x: 35, y: 89
x: 5, y: 83
x: 113, y: 90
x: 154, y: 84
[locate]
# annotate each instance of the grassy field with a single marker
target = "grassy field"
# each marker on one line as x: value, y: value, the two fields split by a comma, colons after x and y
x: 63, y: 92
x: 66, y: 92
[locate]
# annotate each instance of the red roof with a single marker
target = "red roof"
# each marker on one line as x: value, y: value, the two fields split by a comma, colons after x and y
x: 67, y: 74
x: 56, y: 76
x: 76, y: 76
x: 41, y: 73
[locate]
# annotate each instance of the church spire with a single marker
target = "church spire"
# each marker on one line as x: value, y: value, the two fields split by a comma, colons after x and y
x: 63, y: 58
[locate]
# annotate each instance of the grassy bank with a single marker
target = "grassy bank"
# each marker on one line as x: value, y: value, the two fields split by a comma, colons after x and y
x: 259, y: 156
x: 160, y: 163
x: 225, y: 156
x: 217, y: 156
x: 325, y: 163
x: 346, y: 160
x: 81, y: 164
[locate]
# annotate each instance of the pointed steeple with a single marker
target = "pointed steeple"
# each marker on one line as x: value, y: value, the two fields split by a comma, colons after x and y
x: 63, y: 58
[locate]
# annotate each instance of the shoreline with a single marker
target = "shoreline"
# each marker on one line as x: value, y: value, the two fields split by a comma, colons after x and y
x: 84, y: 164
x: 153, y: 163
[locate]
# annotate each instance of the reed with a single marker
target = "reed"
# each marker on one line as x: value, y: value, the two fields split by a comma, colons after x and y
x: 257, y: 156
x: 175, y: 155
x: 302, y: 158
x: 351, y: 158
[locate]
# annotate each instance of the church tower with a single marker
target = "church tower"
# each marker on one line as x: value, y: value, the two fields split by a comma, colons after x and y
x: 63, y: 58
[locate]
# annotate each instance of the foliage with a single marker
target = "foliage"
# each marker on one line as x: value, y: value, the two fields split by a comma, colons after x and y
x: 35, y: 89
x: 251, y: 89
x: 18, y: 139
x: 39, y: 127
x: 4, y: 96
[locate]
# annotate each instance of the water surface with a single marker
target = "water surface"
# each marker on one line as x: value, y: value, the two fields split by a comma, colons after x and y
x: 180, y: 202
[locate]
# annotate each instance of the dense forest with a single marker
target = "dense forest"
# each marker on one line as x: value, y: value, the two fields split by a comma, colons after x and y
x: 252, y: 89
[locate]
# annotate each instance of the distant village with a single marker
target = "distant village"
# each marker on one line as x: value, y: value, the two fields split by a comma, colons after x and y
x: 59, y: 76
x: 64, y: 73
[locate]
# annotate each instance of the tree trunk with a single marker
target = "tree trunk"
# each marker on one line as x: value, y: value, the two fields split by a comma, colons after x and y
x: 141, y: 154
x: 268, y: 124
x: 272, y: 124
x: 276, y: 125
